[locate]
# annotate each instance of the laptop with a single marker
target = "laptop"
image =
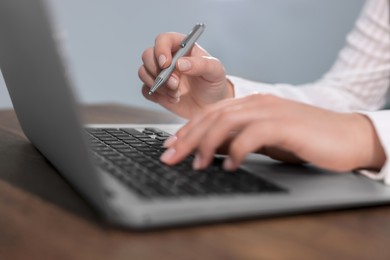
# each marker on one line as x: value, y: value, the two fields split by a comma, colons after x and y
x: 116, y: 167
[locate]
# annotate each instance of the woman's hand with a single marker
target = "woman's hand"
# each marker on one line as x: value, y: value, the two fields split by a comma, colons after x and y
x: 198, y: 81
x: 280, y: 128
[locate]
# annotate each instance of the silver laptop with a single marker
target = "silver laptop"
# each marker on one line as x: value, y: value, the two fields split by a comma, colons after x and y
x: 116, y: 167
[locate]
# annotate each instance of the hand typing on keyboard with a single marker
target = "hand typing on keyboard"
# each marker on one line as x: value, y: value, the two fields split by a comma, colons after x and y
x: 269, y: 124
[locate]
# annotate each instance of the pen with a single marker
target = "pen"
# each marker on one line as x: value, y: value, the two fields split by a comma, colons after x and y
x: 185, y: 46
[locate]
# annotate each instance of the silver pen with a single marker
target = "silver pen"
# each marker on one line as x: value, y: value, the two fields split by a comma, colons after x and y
x: 185, y: 46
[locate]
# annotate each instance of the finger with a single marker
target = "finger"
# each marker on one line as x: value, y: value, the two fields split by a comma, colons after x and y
x: 173, y: 83
x: 182, y: 147
x: 165, y: 45
x: 190, y: 136
x: 227, y: 104
x: 150, y: 70
x: 166, y: 99
x: 252, y: 138
x: 173, y: 94
x: 154, y: 98
x: 145, y: 76
x: 226, y: 125
x: 171, y: 86
x: 209, y: 68
x: 150, y: 62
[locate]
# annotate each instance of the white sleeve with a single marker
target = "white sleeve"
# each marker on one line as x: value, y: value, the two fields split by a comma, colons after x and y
x: 381, y: 122
x: 358, y: 81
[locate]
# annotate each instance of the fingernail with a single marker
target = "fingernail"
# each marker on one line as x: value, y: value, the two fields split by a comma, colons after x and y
x: 177, y: 94
x: 174, y: 100
x: 170, y: 141
x: 173, y: 82
x: 228, y: 165
x: 161, y: 60
x: 196, y: 164
x: 167, y: 155
x: 184, y: 64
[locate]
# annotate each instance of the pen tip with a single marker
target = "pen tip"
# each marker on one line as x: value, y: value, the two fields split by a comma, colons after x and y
x: 150, y: 93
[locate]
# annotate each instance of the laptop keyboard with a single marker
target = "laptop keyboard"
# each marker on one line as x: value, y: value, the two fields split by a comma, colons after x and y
x: 133, y: 157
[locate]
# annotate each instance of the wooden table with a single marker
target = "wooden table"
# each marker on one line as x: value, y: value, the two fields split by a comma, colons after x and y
x: 42, y: 217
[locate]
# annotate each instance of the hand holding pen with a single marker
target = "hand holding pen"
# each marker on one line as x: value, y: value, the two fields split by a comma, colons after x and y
x: 193, y: 78
x: 185, y: 46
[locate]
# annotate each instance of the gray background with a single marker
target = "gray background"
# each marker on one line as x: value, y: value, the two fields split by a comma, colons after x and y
x: 291, y: 41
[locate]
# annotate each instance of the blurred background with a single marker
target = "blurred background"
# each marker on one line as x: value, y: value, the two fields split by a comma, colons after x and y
x: 276, y: 41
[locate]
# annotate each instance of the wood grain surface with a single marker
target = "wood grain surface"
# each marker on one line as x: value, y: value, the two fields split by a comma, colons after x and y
x: 42, y: 217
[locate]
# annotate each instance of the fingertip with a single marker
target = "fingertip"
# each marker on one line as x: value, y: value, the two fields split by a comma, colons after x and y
x: 229, y: 165
x: 141, y: 72
x: 173, y: 100
x: 170, y: 141
x: 165, y: 45
x: 167, y: 156
x: 145, y: 93
x: 173, y: 83
x: 197, y: 162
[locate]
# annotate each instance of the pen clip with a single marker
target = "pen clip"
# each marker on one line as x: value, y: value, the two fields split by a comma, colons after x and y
x: 189, y: 36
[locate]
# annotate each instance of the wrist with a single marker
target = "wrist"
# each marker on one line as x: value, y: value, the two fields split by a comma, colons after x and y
x: 373, y: 156
x: 229, y: 89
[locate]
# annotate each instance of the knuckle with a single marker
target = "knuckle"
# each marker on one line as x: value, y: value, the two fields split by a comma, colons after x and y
x: 184, y: 147
x: 209, y: 109
x: 159, y: 37
x: 147, y: 54
x: 213, y: 64
x: 253, y: 98
x: 208, y: 143
x: 269, y: 98
x: 141, y: 72
x: 226, y: 117
x: 242, y: 144
x: 182, y: 132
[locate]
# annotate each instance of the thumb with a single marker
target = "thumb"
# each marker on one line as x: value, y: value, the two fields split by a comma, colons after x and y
x: 209, y: 68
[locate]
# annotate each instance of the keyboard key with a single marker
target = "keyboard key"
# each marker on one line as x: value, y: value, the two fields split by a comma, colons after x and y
x: 133, y: 157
